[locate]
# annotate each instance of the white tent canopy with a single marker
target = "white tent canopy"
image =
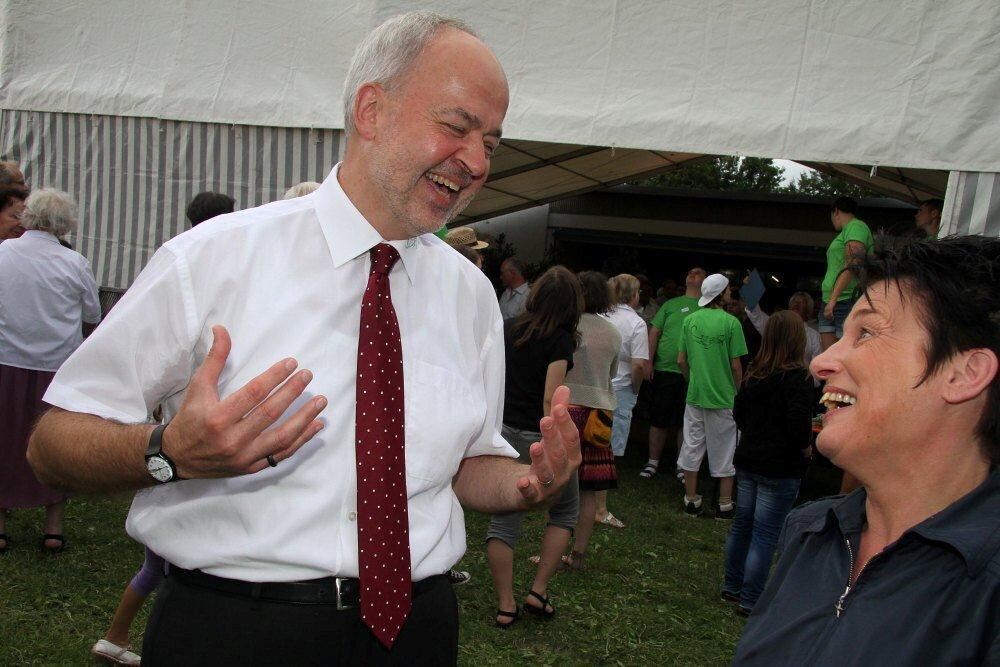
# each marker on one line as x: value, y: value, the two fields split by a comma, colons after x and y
x: 134, y: 105
x: 911, y: 84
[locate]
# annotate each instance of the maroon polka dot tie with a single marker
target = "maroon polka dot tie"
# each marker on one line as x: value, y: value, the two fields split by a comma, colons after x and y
x: 383, y: 528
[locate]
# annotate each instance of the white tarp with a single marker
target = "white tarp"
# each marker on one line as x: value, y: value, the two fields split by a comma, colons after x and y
x: 909, y: 83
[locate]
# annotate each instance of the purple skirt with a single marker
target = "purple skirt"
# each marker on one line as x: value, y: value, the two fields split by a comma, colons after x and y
x: 21, y: 405
x: 597, y: 470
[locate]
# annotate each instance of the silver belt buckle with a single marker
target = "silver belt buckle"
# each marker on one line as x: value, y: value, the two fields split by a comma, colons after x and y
x: 340, y: 605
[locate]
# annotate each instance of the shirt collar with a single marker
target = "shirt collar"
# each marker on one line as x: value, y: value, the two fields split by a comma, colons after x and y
x: 349, y: 235
x: 522, y: 288
x: 40, y: 235
x: 970, y: 525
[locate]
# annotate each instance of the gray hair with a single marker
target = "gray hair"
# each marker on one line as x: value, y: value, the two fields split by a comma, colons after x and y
x: 805, y: 297
x: 50, y: 210
x: 624, y: 286
x: 388, y: 52
x: 300, y: 189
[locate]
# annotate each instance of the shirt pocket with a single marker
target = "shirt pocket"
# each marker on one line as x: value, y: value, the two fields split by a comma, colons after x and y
x: 443, y: 415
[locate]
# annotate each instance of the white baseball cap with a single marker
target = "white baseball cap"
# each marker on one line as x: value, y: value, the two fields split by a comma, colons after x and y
x: 712, y: 287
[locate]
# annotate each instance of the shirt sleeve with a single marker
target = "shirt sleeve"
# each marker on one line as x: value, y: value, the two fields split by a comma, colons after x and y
x: 639, y: 341
x: 737, y: 343
x: 89, y: 295
x: 489, y: 441
x: 857, y: 231
x: 660, y: 319
x: 140, y: 355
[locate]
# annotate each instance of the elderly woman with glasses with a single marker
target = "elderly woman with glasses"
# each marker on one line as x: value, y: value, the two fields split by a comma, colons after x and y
x: 48, y: 297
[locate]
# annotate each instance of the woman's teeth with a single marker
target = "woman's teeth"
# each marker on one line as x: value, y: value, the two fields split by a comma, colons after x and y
x: 834, y: 401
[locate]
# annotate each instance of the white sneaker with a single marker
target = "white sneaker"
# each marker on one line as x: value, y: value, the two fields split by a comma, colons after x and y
x: 114, y: 654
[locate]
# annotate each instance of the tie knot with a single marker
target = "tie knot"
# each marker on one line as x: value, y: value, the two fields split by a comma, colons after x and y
x: 383, y: 258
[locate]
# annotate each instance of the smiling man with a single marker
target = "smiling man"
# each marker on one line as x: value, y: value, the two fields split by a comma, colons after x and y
x: 309, y: 516
x: 906, y: 570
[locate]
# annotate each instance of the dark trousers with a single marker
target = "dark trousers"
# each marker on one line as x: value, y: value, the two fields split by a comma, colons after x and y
x: 191, y: 625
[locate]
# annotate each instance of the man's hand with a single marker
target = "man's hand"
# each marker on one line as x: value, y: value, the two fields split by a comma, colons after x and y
x: 554, y: 459
x: 213, y: 438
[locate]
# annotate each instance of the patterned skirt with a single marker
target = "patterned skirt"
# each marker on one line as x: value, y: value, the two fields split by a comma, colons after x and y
x: 21, y: 392
x: 597, y: 470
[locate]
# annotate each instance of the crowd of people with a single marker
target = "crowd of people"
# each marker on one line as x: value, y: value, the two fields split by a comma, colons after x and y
x: 223, y: 400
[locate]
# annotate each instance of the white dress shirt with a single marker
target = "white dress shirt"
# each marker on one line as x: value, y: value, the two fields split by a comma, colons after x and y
x: 814, y: 344
x: 286, y: 279
x: 513, y: 301
x: 46, y: 292
x: 635, y: 342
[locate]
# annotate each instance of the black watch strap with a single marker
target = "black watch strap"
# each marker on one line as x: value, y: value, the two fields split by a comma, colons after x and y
x: 155, y: 448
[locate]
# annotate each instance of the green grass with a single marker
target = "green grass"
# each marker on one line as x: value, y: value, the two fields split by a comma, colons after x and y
x: 650, y: 596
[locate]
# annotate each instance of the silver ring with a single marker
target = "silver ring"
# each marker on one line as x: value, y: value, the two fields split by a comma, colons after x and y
x: 270, y: 461
x: 548, y: 483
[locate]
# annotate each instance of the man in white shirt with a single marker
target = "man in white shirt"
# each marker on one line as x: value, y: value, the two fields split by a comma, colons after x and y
x: 269, y: 457
x: 515, y: 296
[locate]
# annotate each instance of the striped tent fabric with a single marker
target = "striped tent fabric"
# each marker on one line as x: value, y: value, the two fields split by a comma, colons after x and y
x: 972, y: 205
x: 133, y: 177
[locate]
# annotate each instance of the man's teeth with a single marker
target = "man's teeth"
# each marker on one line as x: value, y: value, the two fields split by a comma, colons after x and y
x: 441, y: 180
x: 833, y: 400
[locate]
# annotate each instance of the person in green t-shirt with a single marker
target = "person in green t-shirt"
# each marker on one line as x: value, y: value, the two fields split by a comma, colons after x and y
x: 669, y: 387
x: 708, y: 353
x: 853, y: 241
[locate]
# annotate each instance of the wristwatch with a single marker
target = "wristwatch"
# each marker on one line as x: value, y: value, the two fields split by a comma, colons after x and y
x: 159, y: 465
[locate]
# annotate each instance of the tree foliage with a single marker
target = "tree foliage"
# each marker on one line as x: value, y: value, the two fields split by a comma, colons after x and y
x: 751, y: 174
x: 727, y: 172
x: 820, y: 184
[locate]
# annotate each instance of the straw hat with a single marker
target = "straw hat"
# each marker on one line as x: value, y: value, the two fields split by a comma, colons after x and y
x: 465, y: 236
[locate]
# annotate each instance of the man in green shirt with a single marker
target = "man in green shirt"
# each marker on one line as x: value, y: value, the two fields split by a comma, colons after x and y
x: 669, y: 387
x: 852, y: 242
x: 709, y: 352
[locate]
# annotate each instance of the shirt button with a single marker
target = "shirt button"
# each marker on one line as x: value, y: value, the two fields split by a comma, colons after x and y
x: 352, y: 516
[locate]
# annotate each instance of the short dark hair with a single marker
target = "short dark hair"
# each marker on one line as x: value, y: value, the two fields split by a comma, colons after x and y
x: 10, y: 193
x: 597, y: 298
x: 954, y: 281
x: 516, y: 264
x: 934, y: 203
x: 207, y: 205
x: 845, y: 204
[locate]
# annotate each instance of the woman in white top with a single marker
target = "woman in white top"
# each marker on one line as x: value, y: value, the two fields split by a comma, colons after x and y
x: 48, y: 296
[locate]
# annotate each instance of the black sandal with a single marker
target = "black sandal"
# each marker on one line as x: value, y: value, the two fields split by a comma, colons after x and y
x: 513, y: 615
x: 53, y: 550
x: 6, y: 543
x: 546, y: 611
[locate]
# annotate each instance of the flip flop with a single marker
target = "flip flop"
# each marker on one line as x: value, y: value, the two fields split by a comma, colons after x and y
x: 648, y: 471
x: 610, y: 520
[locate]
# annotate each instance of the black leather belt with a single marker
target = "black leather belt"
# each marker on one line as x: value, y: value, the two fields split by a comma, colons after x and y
x: 344, y: 592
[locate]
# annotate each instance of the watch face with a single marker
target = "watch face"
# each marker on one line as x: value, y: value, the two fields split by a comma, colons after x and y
x: 159, y: 469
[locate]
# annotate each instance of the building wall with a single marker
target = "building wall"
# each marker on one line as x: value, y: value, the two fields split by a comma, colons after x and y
x: 133, y: 177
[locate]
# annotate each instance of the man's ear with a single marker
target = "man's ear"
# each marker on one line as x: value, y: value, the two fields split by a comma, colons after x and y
x: 368, y: 105
x: 970, y: 374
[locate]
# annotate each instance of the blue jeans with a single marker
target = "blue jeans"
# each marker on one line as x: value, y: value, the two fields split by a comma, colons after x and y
x: 622, y: 422
x: 762, y: 503
x: 840, y: 312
